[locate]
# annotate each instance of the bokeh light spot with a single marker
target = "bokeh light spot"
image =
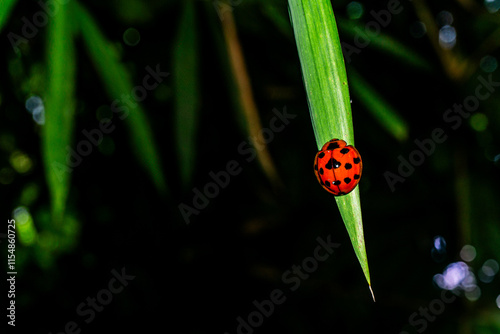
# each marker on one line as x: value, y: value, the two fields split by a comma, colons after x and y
x: 444, y: 18
x: 354, y: 10
x: 496, y: 160
x: 488, y: 271
x: 492, y: 5
x: 439, y: 243
x: 473, y: 294
x: 39, y: 115
x: 438, y: 251
x: 32, y: 103
x: 21, y: 215
x: 493, y: 265
x: 468, y: 253
x: 131, y: 37
x: 479, y: 122
x: 469, y: 281
x: 418, y: 29
x: 488, y: 64
x: 453, y: 276
x: 35, y: 107
x: 20, y: 162
x: 26, y: 232
x: 447, y: 37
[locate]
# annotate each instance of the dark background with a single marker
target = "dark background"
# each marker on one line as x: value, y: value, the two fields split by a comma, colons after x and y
x: 200, y: 277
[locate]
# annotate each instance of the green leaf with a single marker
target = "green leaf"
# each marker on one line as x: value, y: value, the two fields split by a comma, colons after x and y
x: 187, y: 91
x: 118, y: 84
x: 59, y: 108
x: 380, y: 109
x: 325, y: 80
x: 5, y: 10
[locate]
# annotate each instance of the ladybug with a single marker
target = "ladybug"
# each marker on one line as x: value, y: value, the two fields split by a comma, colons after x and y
x: 338, y: 167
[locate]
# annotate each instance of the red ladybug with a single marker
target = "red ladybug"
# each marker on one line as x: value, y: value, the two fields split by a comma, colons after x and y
x: 338, y: 167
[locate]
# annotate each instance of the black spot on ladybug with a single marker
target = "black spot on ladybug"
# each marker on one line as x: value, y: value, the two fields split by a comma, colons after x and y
x: 347, y: 180
x: 327, y: 184
x: 333, y: 164
x: 356, y: 176
x: 332, y: 146
x: 344, y: 150
x: 321, y: 171
x: 321, y: 155
x: 356, y: 160
x: 347, y: 166
x: 337, y: 183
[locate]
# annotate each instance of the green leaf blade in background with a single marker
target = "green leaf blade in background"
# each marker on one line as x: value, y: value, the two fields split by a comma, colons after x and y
x: 59, y: 108
x: 325, y: 80
x: 118, y: 83
x: 5, y: 10
x: 187, y: 91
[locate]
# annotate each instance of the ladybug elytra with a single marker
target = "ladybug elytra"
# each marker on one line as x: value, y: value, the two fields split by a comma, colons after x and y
x: 338, y: 167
